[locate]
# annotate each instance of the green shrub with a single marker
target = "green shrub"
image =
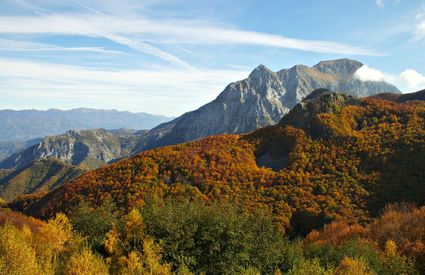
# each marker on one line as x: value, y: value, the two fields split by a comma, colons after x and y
x: 93, y: 223
x: 331, y: 256
x: 217, y: 239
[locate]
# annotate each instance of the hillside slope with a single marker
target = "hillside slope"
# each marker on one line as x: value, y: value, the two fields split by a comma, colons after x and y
x: 38, y: 176
x: 8, y: 148
x: 333, y: 157
x: 261, y: 100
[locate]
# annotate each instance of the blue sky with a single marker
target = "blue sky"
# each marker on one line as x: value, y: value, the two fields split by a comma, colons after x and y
x: 168, y: 56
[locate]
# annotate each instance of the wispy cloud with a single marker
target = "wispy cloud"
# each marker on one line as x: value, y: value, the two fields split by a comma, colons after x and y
x: 419, y: 32
x: 82, y: 28
x: 136, y: 90
x: 380, y: 3
x: 14, y: 45
x: 409, y: 80
x: 174, y: 31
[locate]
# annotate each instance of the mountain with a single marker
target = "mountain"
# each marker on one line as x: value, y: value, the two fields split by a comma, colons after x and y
x: 30, y: 124
x: 399, y: 98
x: 8, y: 148
x: 333, y: 157
x: 261, y: 100
x: 38, y: 176
x: 84, y: 148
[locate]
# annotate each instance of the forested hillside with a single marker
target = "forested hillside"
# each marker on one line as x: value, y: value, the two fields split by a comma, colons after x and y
x: 333, y: 157
x: 38, y: 176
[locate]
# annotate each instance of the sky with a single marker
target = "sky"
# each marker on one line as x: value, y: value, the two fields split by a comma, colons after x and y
x: 172, y: 56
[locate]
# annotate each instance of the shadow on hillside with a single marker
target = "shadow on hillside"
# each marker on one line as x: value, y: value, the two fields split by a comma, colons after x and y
x: 402, y: 179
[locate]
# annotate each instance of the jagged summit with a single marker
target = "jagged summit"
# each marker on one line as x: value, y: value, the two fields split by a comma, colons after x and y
x: 261, y: 76
x: 298, y: 67
x: 341, y: 67
x: 260, y: 70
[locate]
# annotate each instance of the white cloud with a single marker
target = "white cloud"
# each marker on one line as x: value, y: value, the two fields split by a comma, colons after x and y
x: 408, y: 81
x: 412, y: 79
x: 57, y: 85
x: 366, y: 73
x: 129, y: 32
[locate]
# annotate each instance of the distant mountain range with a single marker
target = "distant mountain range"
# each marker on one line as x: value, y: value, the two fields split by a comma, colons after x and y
x: 261, y: 100
x: 18, y: 126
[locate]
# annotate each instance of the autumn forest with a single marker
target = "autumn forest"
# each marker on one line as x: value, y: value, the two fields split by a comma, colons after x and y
x: 335, y: 188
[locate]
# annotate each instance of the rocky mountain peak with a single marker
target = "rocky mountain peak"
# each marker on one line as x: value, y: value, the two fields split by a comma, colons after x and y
x: 298, y: 68
x: 260, y: 72
x: 341, y: 67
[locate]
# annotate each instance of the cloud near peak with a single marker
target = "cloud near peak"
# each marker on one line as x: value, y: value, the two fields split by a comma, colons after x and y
x: 408, y: 81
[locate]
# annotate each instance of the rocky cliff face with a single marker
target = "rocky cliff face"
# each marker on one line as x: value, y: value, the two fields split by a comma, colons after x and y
x: 261, y: 100
x: 87, y: 148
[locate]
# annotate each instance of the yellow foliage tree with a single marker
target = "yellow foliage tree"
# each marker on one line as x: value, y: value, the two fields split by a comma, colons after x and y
x: 349, y: 266
x: 111, y: 240
x: 309, y: 267
x: 390, y: 248
x: 85, y: 263
x: 49, y: 242
x: 132, y: 264
x: 133, y: 228
x: 151, y: 258
x: 132, y: 250
x: 16, y: 254
x: 56, y: 232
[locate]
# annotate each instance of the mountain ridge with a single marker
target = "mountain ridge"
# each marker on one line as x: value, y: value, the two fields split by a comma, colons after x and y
x: 261, y: 100
x: 85, y: 148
